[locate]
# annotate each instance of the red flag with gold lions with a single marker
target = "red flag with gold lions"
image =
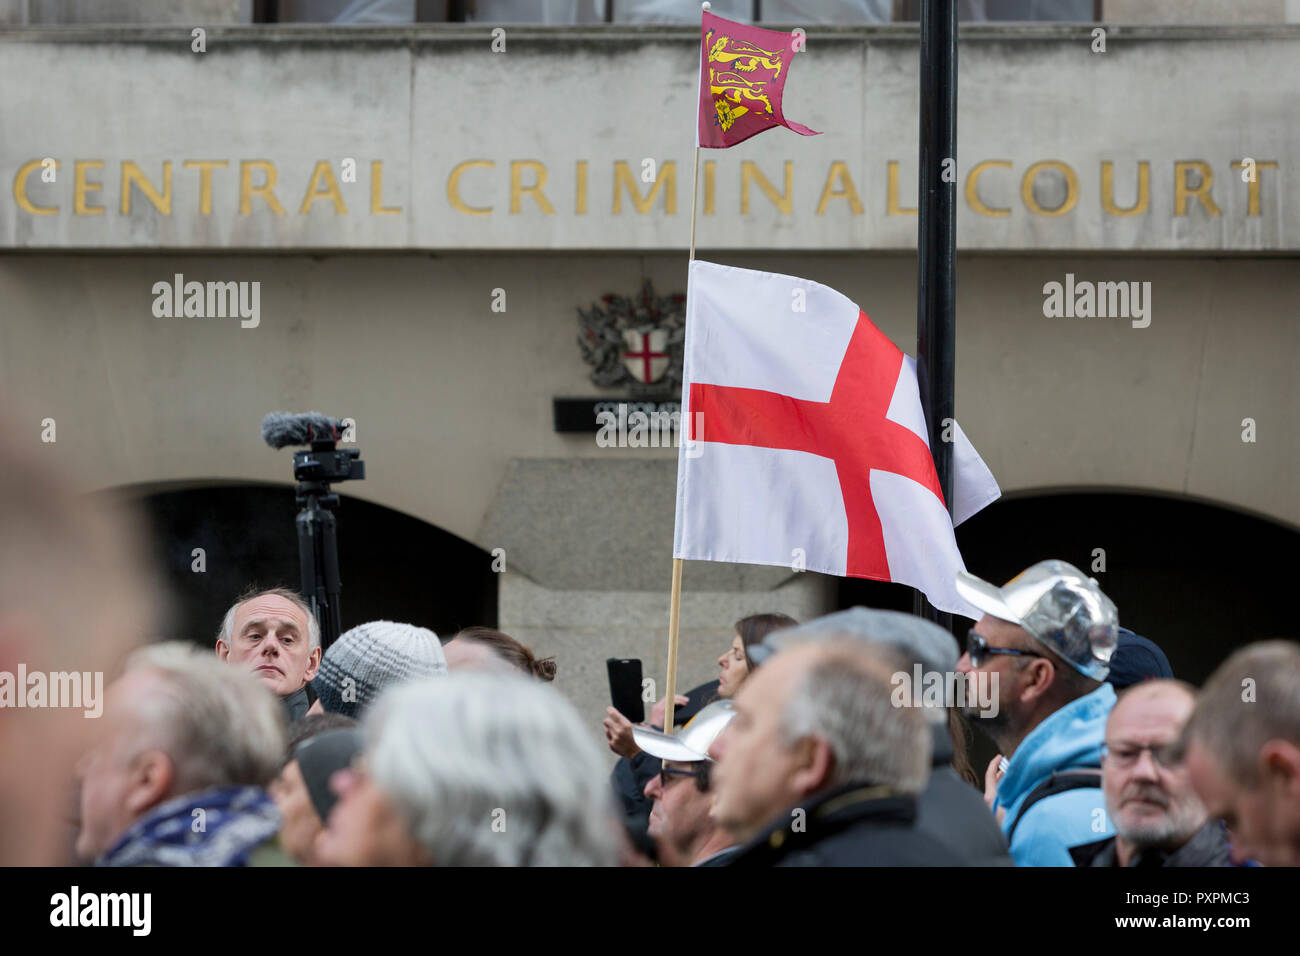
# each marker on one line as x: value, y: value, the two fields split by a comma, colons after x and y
x: 742, y: 74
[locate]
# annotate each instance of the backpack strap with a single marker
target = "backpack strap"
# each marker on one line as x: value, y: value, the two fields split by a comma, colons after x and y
x: 1076, y: 778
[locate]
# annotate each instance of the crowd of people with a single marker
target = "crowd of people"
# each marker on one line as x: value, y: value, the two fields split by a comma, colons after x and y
x: 841, y: 741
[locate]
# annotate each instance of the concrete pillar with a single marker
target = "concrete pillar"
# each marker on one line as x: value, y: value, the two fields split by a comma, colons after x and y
x: 583, y: 628
x: 587, y: 551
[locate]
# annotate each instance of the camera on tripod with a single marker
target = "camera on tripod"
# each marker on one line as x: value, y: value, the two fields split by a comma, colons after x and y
x: 315, y: 469
x: 325, y: 464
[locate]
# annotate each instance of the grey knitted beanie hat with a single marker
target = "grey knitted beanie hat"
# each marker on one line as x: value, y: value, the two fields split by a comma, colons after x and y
x: 372, y: 657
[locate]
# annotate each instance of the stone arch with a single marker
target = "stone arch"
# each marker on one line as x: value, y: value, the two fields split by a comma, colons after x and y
x: 392, y: 565
x: 1198, y: 577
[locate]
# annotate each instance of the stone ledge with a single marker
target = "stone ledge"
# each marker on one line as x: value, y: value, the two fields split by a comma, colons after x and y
x: 602, y: 525
x: 571, y: 37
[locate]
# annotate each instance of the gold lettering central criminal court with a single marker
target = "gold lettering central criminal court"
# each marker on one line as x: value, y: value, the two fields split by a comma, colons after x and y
x: 486, y: 187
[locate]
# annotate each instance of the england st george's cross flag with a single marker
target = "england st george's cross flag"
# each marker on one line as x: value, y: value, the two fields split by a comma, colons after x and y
x: 805, y: 444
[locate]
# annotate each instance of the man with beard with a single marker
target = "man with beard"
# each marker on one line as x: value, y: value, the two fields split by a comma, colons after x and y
x: 1159, y: 820
x: 1044, y: 643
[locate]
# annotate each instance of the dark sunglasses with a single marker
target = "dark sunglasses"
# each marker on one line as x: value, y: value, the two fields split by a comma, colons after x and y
x: 977, y: 648
x: 700, y: 773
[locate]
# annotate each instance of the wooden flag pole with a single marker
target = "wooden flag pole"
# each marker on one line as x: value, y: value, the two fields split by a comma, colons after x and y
x: 674, y: 611
x: 675, y: 596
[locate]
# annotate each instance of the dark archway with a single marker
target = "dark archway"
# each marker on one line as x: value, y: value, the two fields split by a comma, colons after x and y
x: 392, y: 565
x: 1198, y: 579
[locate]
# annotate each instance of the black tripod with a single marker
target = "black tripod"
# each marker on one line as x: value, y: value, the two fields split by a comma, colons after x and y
x: 318, y: 553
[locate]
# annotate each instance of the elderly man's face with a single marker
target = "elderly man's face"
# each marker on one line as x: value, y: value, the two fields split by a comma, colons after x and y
x: 757, y: 773
x: 365, y: 828
x: 272, y: 640
x: 1263, y: 821
x: 1150, y: 798
x: 680, y: 814
x: 123, y: 775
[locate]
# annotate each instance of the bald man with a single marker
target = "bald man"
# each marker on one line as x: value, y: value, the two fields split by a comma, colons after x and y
x: 1243, y: 751
x: 274, y: 635
x: 1158, y: 818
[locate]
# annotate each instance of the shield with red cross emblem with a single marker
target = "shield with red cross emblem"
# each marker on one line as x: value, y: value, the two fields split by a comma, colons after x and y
x: 635, y: 341
x: 646, y: 354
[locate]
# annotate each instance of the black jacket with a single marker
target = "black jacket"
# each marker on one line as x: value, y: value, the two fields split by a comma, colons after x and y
x: 298, y: 703
x: 855, y: 825
x: 954, y: 813
x: 1208, y: 846
x: 721, y: 858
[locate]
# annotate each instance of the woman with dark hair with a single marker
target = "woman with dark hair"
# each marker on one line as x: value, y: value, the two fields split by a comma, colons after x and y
x: 735, y: 662
x: 735, y: 665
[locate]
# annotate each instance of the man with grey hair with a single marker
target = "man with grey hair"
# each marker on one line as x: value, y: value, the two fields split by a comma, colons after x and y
x: 1243, y: 751
x: 477, y: 768
x: 949, y: 808
x: 274, y: 634
x: 177, y: 777
x: 1159, y: 821
x: 818, y: 768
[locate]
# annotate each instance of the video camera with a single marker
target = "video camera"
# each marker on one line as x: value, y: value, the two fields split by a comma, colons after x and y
x: 315, y: 469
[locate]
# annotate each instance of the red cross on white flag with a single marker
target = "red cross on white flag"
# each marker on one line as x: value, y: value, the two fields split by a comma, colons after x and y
x: 809, y: 446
